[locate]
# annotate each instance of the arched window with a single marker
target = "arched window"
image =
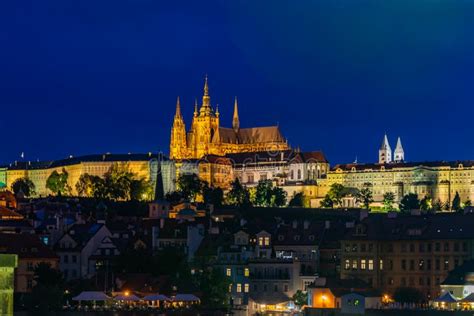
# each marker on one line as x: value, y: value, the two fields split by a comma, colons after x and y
x: 299, y: 174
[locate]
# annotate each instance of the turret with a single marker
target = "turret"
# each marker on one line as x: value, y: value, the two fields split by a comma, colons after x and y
x: 385, y: 152
x: 206, y: 100
x: 399, y: 154
x: 235, y: 119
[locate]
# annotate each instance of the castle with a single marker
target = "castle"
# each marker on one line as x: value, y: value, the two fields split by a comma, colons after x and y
x: 207, y: 137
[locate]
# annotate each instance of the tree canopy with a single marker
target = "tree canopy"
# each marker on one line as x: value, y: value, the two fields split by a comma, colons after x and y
x: 409, y: 202
x: 24, y: 185
x: 57, y: 183
x: 388, y: 200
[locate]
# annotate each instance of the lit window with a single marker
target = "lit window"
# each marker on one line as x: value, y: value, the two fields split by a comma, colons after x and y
x: 362, y: 264
x: 239, y: 288
x: 267, y: 241
x: 246, y: 288
x: 230, y: 288
x: 228, y: 272
x: 246, y: 272
x: 260, y: 241
x: 347, y: 264
x: 381, y: 264
x: 354, y: 264
x: 371, y: 264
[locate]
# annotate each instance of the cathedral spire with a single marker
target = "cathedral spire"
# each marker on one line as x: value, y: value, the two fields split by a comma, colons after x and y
x: 235, y: 119
x: 399, y: 152
x: 195, y: 107
x: 206, y: 100
x: 178, y: 108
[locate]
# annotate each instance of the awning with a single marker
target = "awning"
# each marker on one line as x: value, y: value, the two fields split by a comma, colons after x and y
x: 128, y: 298
x: 446, y: 298
x: 91, y: 296
x: 186, y: 298
x: 156, y: 297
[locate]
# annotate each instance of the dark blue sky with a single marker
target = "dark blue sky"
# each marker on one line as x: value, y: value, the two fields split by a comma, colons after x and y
x: 80, y: 77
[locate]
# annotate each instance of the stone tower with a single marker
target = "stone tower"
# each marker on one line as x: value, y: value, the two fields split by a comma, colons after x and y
x: 399, y: 153
x: 385, y: 152
x: 203, y: 128
x: 178, y: 148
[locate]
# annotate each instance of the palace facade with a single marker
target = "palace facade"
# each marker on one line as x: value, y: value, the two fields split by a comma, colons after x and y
x: 207, y: 137
x: 143, y: 165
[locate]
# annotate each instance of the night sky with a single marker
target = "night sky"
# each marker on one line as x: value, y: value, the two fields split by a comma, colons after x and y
x: 80, y: 77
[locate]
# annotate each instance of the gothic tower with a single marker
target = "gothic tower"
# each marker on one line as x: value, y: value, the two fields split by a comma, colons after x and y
x: 385, y: 152
x: 178, y: 135
x: 204, y: 126
x: 235, y: 119
x: 399, y: 154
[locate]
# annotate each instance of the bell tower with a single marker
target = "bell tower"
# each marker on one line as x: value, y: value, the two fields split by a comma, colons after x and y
x: 385, y: 152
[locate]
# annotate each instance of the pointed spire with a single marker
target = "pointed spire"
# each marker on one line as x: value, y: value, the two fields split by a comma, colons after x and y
x: 235, y: 119
x: 399, y: 152
x: 178, y: 108
x: 385, y: 143
x: 206, y: 87
x: 217, y: 110
x: 195, y: 107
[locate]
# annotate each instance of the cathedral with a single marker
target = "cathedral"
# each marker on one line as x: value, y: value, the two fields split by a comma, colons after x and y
x: 207, y: 137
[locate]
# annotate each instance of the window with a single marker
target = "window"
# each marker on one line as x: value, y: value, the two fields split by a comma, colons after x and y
x: 275, y: 288
x: 286, y: 288
x: 299, y: 174
x: 456, y: 246
x: 437, y: 246
x: 363, y: 247
x: 267, y: 241
x: 404, y: 248
x: 74, y: 258
x: 446, y: 246
x: 29, y: 266
x: 362, y: 264
x: 66, y: 259
x: 446, y: 264
x: 412, y: 265
x: 371, y: 264
x: 412, y: 247
x: 404, y: 264
x: 421, y: 264
x: 354, y: 264
x: 381, y: 264
x: 29, y: 283
x: 228, y: 272
x: 239, y: 287
x: 347, y: 264
x: 230, y: 287
x: 246, y: 287
x: 260, y: 241
x: 437, y: 264
x: 354, y: 248
x: 428, y: 264
x: 246, y: 272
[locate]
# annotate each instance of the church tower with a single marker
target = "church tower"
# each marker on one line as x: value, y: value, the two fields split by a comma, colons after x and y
x: 385, y: 152
x: 204, y: 126
x: 235, y: 119
x: 399, y: 154
x: 178, y: 135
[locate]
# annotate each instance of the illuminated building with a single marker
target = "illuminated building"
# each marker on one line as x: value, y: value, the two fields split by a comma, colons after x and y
x: 143, y: 165
x: 8, y: 263
x: 439, y: 180
x: 207, y: 137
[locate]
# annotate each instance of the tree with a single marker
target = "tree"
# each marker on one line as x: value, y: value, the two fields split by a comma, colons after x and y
x: 437, y: 206
x: 141, y: 190
x: 336, y: 193
x: 190, y: 186
x: 456, y: 206
x: 409, y: 202
x: 326, y: 202
x: 24, y: 185
x: 297, y: 200
x: 267, y: 195
x: 238, y: 195
x: 118, y: 181
x: 214, y: 285
x: 48, y: 292
x: 388, y: 200
x: 57, y: 183
x: 467, y: 203
x: 365, y: 197
x: 214, y: 196
x: 300, y: 298
x: 408, y: 295
x: 426, y: 203
x: 84, y: 185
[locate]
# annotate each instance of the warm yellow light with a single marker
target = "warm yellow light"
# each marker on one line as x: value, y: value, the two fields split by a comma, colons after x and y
x: 127, y: 293
x: 324, y: 297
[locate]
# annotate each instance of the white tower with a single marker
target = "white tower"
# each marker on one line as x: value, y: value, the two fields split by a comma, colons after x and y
x: 399, y: 154
x: 385, y: 152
